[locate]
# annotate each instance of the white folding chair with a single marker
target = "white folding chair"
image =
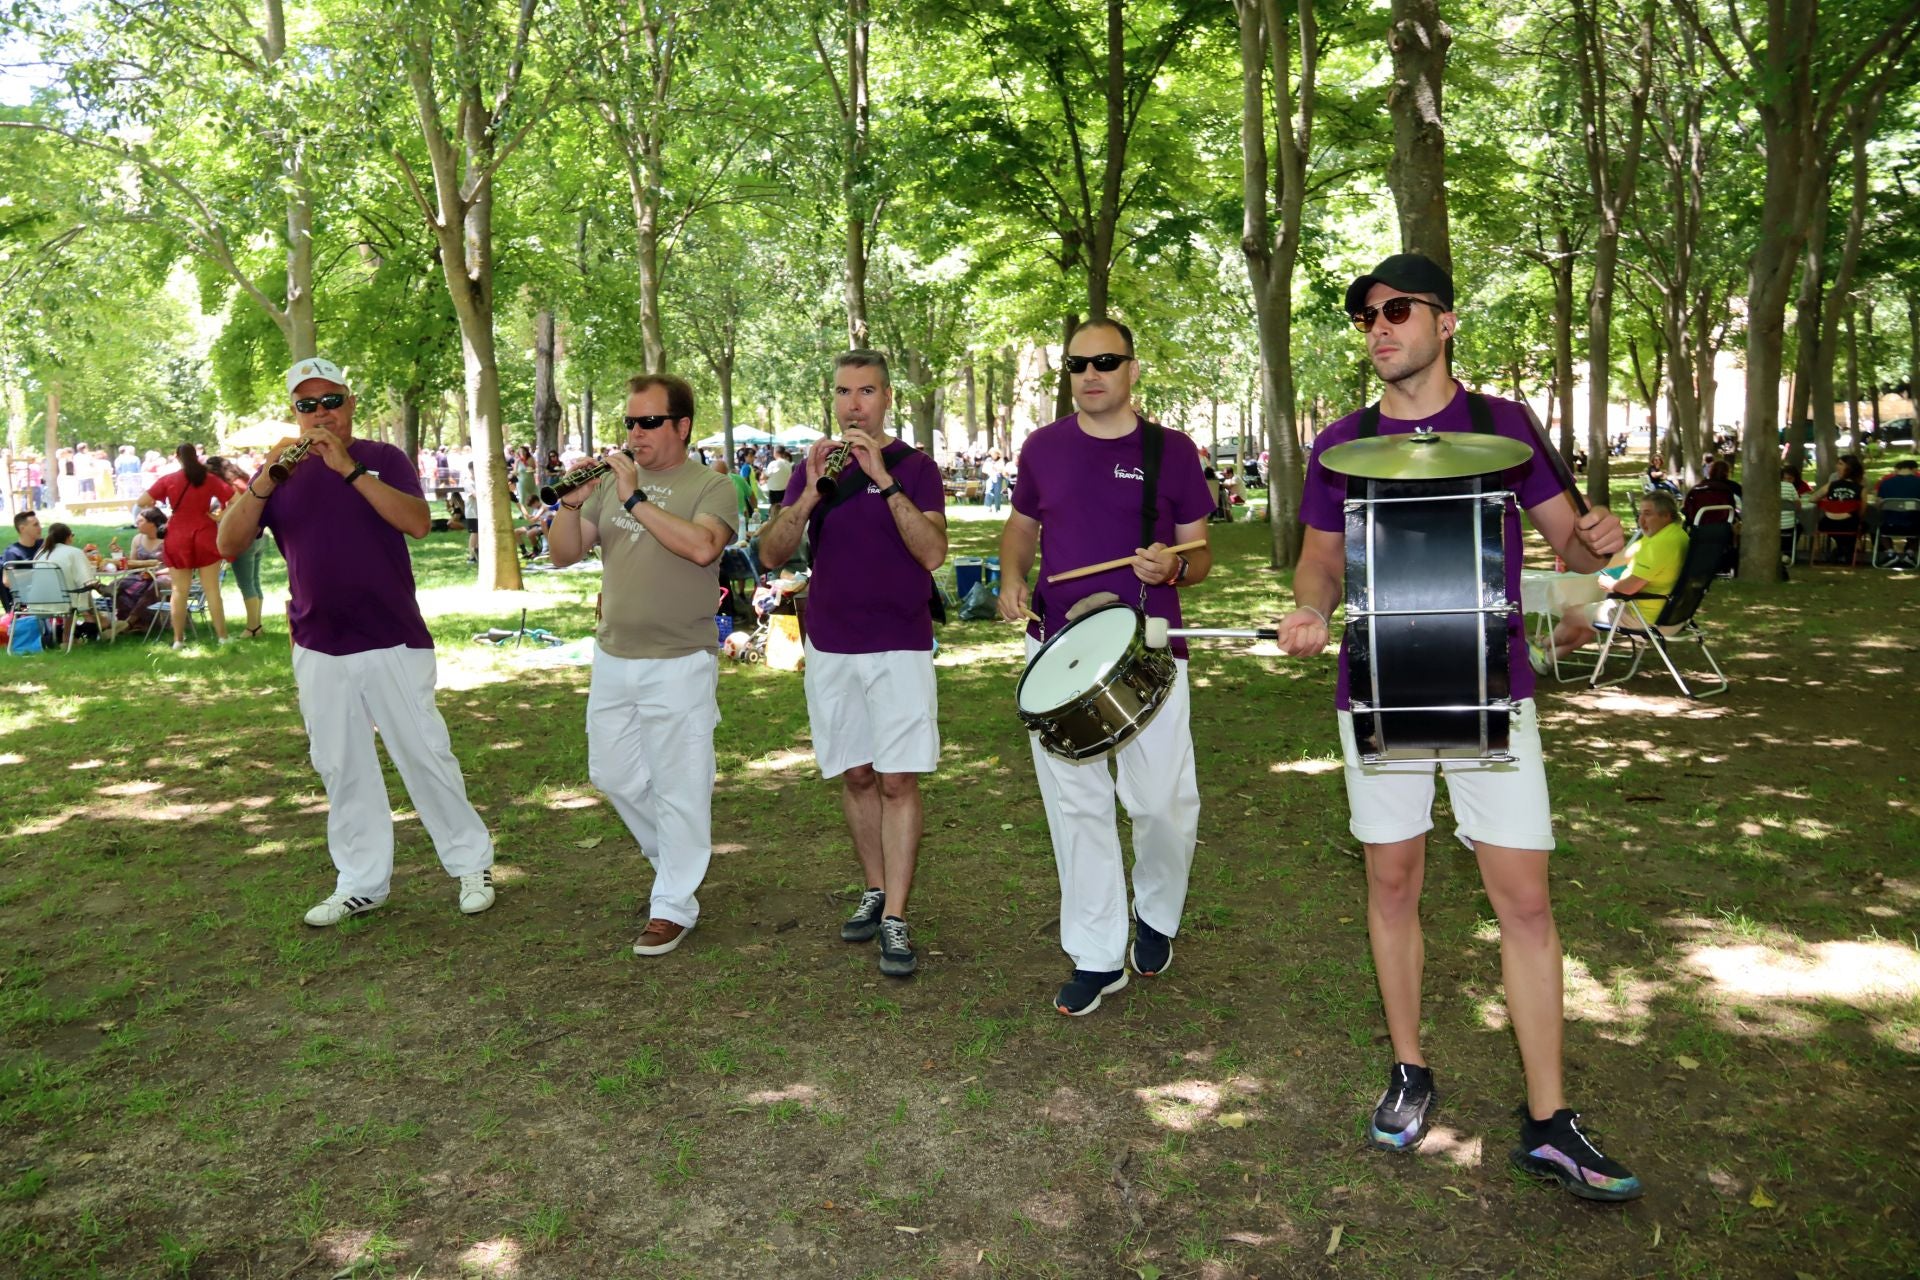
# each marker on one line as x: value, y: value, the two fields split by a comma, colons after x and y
x: 40, y: 591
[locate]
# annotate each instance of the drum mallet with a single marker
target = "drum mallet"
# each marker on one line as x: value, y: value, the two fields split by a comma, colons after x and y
x: 1121, y: 563
x: 1159, y: 632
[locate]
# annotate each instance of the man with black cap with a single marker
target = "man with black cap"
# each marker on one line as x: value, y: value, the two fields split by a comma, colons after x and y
x: 1405, y: 307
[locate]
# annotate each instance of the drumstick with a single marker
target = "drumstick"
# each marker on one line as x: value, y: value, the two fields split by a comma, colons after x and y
x: 1121, y: 563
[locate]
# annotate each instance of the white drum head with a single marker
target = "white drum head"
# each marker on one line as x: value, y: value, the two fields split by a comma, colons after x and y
x: 1077, y: 659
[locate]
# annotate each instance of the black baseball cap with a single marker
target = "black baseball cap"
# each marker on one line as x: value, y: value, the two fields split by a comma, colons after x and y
x: 1408, y: 272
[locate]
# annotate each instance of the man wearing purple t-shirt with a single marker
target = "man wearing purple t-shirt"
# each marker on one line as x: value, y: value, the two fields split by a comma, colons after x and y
x: 871, y: 701
x: 1405, y: 308
x: 362, y: 657
x: 1080, y: 499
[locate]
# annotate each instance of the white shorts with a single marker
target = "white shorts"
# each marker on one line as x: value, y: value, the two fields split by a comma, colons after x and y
x: 880, y: 709
x: 1494, y: 802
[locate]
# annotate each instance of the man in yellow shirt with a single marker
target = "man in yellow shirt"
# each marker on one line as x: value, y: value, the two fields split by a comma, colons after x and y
x: 1653, y: 566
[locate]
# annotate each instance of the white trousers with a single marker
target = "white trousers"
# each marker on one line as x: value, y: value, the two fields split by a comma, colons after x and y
x: 650, y: 749
x: 345, y: 699
x: 1156, y: 783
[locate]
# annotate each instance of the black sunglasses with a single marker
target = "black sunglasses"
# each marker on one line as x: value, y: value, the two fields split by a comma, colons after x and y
x: 1396, y: 310
x: 332, y: 400
x: 1105, y: 363
x: 648, y: 421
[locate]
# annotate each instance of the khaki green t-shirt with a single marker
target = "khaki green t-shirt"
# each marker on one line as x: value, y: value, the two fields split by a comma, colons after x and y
x: 653, y: 603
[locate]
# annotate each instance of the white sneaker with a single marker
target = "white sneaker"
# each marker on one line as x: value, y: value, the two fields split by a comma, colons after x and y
x: 476, y: 891
x: 338, y: 907
x: 1542, y: 664
x: 179, y: 644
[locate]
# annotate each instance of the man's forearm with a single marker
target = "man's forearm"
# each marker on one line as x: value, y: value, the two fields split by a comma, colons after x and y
x: 408, y: 514
x: 241, y: 523
x: 781, y: 537
x: 1316, y: 589
x: 566, y: 538
x: 684, y: 538
x: 926, y: 541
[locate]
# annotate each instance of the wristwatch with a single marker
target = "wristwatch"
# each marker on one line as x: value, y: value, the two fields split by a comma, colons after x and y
x: 890, y: 490
x: 639, y: 496
x: 359, y: 469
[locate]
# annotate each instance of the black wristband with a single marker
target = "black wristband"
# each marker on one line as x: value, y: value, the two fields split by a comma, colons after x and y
x: 258, y: 497
x: 359, y: 469
x: 639, y: 496
x: 890, y: 490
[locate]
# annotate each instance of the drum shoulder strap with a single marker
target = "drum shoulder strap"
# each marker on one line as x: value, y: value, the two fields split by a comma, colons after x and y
x: 1153, y: 441
x: 1481, y: 412
x: 1477, y: 409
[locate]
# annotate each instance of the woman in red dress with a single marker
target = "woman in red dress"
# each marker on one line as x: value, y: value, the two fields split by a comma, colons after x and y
x: 191, y: 544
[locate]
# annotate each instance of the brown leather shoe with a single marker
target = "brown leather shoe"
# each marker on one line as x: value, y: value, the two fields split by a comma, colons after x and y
x: 660, y: 937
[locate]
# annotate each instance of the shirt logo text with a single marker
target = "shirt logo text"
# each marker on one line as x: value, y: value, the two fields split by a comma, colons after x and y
x: 1129, y: 473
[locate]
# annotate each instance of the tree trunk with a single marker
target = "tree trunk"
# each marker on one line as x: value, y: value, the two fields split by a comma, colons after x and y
x: 1063, y: 391
x: 303, y: 341
x: 586, y: 418
x: 855, y: 120
x: 723, y: 374
x: 51, y: 466
x: 1612, y: 196
x: 972, y: 403
x: 1417, y: 173
x: 410, y: 422
x: 1273, y: 190
x: 546, y: 396
x: 1562, y: 268
x: 1913, y: 351
x: 1853, y: 373
x: 1809, y: 306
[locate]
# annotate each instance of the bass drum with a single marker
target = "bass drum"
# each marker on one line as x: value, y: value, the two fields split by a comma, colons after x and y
x: 1427, y: 619
x: 1094, y: 684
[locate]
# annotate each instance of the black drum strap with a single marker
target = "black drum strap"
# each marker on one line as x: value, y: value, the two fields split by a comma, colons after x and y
x: 1477, y: 410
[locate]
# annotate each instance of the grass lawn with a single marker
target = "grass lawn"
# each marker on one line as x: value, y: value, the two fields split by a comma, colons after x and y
x: 193, y: 1083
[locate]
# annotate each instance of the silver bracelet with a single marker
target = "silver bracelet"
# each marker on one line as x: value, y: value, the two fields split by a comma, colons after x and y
x: 1316, y: 613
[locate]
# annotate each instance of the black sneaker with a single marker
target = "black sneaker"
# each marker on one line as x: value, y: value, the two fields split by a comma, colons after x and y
x: 865, y: 920
x: 1152, y: 951
x: 1400, y: 1118
x: 896, y: 948
x: 1555, y: 1148
x: 1081, y: 994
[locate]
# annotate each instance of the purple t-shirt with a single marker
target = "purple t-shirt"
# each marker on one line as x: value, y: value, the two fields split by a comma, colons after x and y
x: 1086, y: 493
x: 1533, y: 482
x: 868, y: 594
x: 349, y: 575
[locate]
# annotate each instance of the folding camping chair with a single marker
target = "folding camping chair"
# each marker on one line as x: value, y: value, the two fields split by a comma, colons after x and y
x: 1676, y: 617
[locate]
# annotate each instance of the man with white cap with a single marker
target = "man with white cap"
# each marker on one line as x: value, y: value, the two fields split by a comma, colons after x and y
x: 362, y: 657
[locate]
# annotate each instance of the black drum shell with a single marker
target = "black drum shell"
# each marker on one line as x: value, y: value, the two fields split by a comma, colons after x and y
x: 1421, y: 549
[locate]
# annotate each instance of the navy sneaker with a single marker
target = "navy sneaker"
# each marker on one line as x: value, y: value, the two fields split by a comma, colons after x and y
x: 896, y: 948
x: 1081, y: 994
x: 1400, y: 1118
x: 1556, y: 1148
x: 1152, y: 951
x: 865, y: 920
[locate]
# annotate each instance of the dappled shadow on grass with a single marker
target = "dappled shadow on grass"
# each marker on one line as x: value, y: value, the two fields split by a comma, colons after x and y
x: 518, y: 1085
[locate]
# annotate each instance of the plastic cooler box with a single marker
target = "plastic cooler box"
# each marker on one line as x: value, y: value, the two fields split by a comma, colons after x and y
x: 968, y: 571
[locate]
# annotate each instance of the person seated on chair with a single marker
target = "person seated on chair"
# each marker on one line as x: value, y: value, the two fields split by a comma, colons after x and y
x: 149, y: 537
x: 1655, y: 567
x: 57, y: 548
x: 531, y: 537
x: 1717, y: 490
x: 1657, y: 482
x: 1844, y: 485
x: 27, y: 541
x: 456, y: 512
x: 1903, y: 482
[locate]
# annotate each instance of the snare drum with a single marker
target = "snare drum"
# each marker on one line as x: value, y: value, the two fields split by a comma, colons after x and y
x: 1094, y: 684
x: 1427, y: 615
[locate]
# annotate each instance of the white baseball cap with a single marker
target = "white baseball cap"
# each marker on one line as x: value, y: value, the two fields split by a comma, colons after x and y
x: 316, y: 367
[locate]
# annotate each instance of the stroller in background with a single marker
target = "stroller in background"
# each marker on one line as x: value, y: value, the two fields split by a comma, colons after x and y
x: 768, y: 597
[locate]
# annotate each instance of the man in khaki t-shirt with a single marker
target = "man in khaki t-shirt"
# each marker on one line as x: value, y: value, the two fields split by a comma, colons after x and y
x: 661, y: 522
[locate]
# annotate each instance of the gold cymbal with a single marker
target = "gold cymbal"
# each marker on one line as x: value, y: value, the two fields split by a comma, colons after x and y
x: 1426, y: 455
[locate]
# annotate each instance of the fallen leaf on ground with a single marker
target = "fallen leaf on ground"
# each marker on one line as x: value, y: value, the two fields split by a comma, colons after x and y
x: 588, y: 843
x: 912, y: 1231
x: 1333, y: 1241
x: 1687, y: 1064
x: 1457, y: 1191
x: 1760, y: 1199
